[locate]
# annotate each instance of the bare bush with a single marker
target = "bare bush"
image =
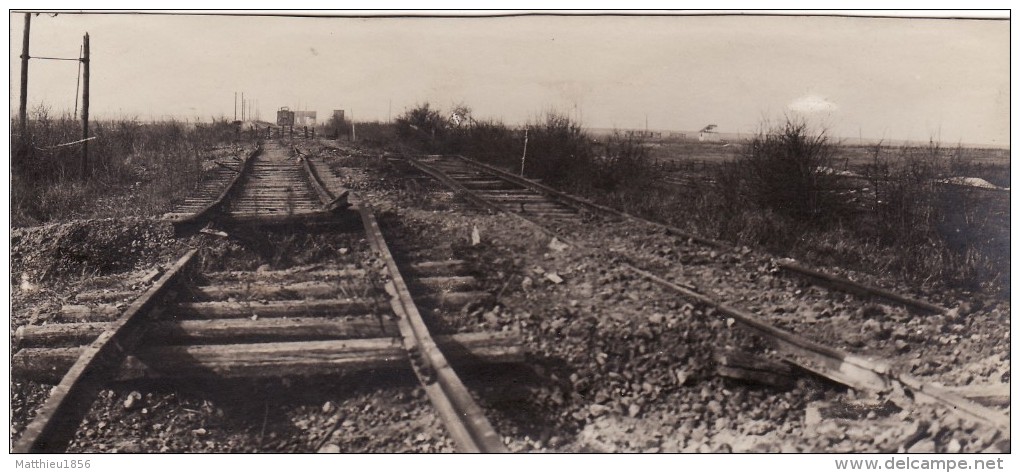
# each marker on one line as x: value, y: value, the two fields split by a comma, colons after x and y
x: 787, y: 170
x: 423, y: 127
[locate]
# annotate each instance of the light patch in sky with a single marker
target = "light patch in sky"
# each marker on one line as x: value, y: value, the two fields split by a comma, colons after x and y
x: 812, y: 103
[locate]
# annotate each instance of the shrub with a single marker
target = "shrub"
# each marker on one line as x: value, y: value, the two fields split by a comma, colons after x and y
x: 786, y: 170
x: 423, y: 127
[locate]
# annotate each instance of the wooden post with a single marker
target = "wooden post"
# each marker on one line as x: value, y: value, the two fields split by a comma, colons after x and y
x: 525, y: 154
x: 23, y: 108
x: 306, y: 132
x: 85, y: 108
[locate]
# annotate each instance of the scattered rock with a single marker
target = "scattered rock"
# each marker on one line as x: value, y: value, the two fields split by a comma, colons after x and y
x: 812, y: 416
x: 329, y: 448
x: 681, y: 377
x: 923, y: 446
x: 132, y: 400
x: 557, y: 245
x: 555, y: 278
x: 598, y: 410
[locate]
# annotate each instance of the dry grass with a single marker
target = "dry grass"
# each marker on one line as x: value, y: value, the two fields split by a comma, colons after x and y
x: 768, y: 192
x: 136, y: 169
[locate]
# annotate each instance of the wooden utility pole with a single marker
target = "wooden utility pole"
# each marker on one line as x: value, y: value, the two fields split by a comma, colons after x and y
x: 235, y: 106
x: 23, y: 109
x: 85, y: 108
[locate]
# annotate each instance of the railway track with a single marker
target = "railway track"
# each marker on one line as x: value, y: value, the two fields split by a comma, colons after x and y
x: 813, y: 347
x: 353, y: 310
x: 357, y: 304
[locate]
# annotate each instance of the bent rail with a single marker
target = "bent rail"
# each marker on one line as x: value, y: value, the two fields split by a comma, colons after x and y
x: 217, y: 205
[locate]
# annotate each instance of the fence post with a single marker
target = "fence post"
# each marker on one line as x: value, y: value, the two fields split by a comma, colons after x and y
x: 306, y: 132
x: 525, y: 154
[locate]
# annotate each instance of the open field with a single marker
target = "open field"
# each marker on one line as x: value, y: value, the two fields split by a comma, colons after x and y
x: 991, y: 164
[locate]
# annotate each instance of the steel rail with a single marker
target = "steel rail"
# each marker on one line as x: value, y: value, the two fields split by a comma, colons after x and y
x: 463, y: 418
x: 844, y: 368
x: 587, y: 204
x: 788, y: 265
x: 860, y: 289
x: 215, y: 207
x: 461, y: 415
x: 54, y: 425
x: 330, y: 201
x: 478, y: 200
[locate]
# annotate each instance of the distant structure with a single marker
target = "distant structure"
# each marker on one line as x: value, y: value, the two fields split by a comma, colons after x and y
x: 708, y: 133
x: 304, y: 118
x: 644, y: 134
x: 284, y: 117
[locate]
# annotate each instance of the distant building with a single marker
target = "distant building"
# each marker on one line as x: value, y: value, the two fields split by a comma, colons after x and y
x: 708, y: 133
x: 304, y: 118
x: 284, y: 117
x: 708, y: 136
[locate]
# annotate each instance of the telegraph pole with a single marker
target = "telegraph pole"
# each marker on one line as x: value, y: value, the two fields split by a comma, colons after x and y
x: 85, y: 108
x: 23, y: 109
x: 235, y: 106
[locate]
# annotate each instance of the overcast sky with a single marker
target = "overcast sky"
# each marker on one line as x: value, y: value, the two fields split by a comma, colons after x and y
x: 877, y: 78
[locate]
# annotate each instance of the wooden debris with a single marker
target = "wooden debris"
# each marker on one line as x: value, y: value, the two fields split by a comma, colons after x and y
x: 989, y: 394
x: 747, y: 367
x: 338, y: 203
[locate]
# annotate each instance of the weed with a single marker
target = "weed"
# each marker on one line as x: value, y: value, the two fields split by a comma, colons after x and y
x: 134, y: 168
x: 779, y: 190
